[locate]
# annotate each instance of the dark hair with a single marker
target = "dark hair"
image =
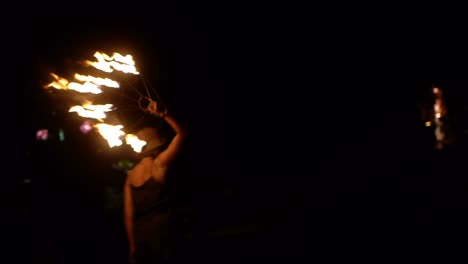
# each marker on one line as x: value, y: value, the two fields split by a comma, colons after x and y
x: 148, y: 120
x: 145, y: 120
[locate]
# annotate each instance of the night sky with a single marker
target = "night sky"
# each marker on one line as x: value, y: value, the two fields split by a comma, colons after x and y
x: 304, y: 119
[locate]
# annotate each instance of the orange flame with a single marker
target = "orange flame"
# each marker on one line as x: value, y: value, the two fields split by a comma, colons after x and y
x: 63, y: 84
x: 98, y: 81
x: 92, y: 111
x: 116, y: 62
x: 136, y: 144
x: 112, y: 133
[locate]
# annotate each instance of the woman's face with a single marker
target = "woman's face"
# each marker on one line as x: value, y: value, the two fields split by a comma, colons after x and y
x: 146, y: 133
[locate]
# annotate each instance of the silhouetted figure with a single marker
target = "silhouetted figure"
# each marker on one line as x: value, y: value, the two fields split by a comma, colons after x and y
x: 150, y: 231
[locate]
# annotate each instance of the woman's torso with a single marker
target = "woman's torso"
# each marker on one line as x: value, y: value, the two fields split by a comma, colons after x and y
x: 149, y: 192
x: 149, y: 198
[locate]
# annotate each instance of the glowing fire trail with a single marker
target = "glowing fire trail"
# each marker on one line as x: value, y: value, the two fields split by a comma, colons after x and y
x: 63, y: 84
x: 116, y: 62
x: 92, y: 111
x: 113, y: 134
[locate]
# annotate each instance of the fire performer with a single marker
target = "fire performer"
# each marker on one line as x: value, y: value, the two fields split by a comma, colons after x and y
x: 146, y: 203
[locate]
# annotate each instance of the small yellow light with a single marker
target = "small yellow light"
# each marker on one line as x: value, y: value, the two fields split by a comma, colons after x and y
x: 428, y: 123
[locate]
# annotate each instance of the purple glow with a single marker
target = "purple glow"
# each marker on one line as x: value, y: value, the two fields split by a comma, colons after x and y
x: 86, y: 127
x: 42, y: 134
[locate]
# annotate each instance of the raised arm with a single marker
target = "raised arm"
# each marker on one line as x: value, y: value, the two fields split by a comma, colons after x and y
x: 170, y: 153
x: 174, y: 147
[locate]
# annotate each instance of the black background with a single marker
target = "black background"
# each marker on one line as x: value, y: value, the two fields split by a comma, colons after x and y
x: 304, y: 122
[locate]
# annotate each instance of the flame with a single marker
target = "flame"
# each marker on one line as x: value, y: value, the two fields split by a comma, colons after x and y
x: 63, y: 84
x: 90, y: 84
x: 97, y: 81
x: 107, y: 63
x: 127, y: 59
x: 136, y: 144
x: 92, y: 111
x: 112, y: 133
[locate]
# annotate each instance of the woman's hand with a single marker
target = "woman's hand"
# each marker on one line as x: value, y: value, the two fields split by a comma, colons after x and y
x: 153, y: 109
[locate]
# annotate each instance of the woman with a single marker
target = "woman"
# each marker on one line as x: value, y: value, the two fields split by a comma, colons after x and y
x: 147, y: 218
